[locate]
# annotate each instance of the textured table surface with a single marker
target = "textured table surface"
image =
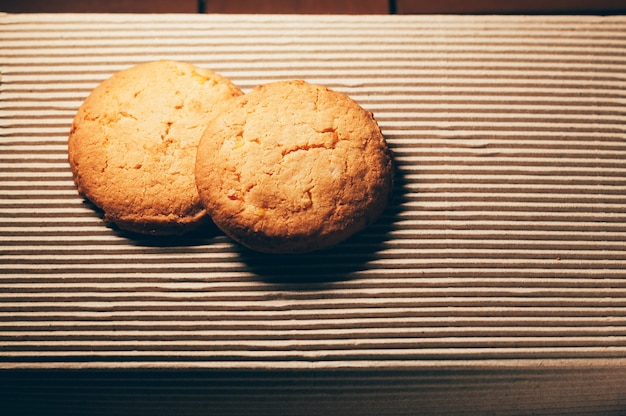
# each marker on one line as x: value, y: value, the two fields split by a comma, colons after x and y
x: 497, y: 275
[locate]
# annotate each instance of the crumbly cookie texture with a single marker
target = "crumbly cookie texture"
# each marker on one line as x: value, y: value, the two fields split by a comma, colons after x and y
x: 133, y: 142
x: 293, y: 167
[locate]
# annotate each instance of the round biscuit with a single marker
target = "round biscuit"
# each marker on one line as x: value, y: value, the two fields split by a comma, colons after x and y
x: 133, y: 142
x: 293, y: 167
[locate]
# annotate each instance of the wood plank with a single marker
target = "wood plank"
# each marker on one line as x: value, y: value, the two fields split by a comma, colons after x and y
x: 521, y: 6
x: 299, y: 6
x: 99, y: 6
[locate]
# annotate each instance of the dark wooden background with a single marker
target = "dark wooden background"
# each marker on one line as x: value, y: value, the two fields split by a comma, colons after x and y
x: 315, y: 6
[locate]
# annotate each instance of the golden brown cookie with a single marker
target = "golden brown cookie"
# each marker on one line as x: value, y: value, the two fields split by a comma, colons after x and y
x: 293, y: 167
x: 133, y: 142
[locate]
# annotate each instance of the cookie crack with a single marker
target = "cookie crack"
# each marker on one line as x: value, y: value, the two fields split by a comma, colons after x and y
x: 328, y: 145
x: 169, y: 143
x: 304, y: 148
x: 126, y: 114
x: 166, y: 132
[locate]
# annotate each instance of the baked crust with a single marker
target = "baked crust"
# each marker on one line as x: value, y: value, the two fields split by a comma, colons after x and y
x: 293, y: 167
x: 132, y: 145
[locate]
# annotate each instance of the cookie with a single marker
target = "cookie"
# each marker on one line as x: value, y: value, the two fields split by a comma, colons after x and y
x: 133, y: 142
x: 293, y: 167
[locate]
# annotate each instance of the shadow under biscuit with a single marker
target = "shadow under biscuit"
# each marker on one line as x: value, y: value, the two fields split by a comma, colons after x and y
x: 309, y: 271
x: 203, y: 235
x: 315, y: 270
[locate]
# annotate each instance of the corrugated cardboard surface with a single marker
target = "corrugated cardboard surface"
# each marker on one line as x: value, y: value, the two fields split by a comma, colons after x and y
x: 495, y: 281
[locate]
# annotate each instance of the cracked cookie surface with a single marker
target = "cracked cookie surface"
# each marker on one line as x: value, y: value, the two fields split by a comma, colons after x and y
x: 133, y: 142
x: 293, y: 167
